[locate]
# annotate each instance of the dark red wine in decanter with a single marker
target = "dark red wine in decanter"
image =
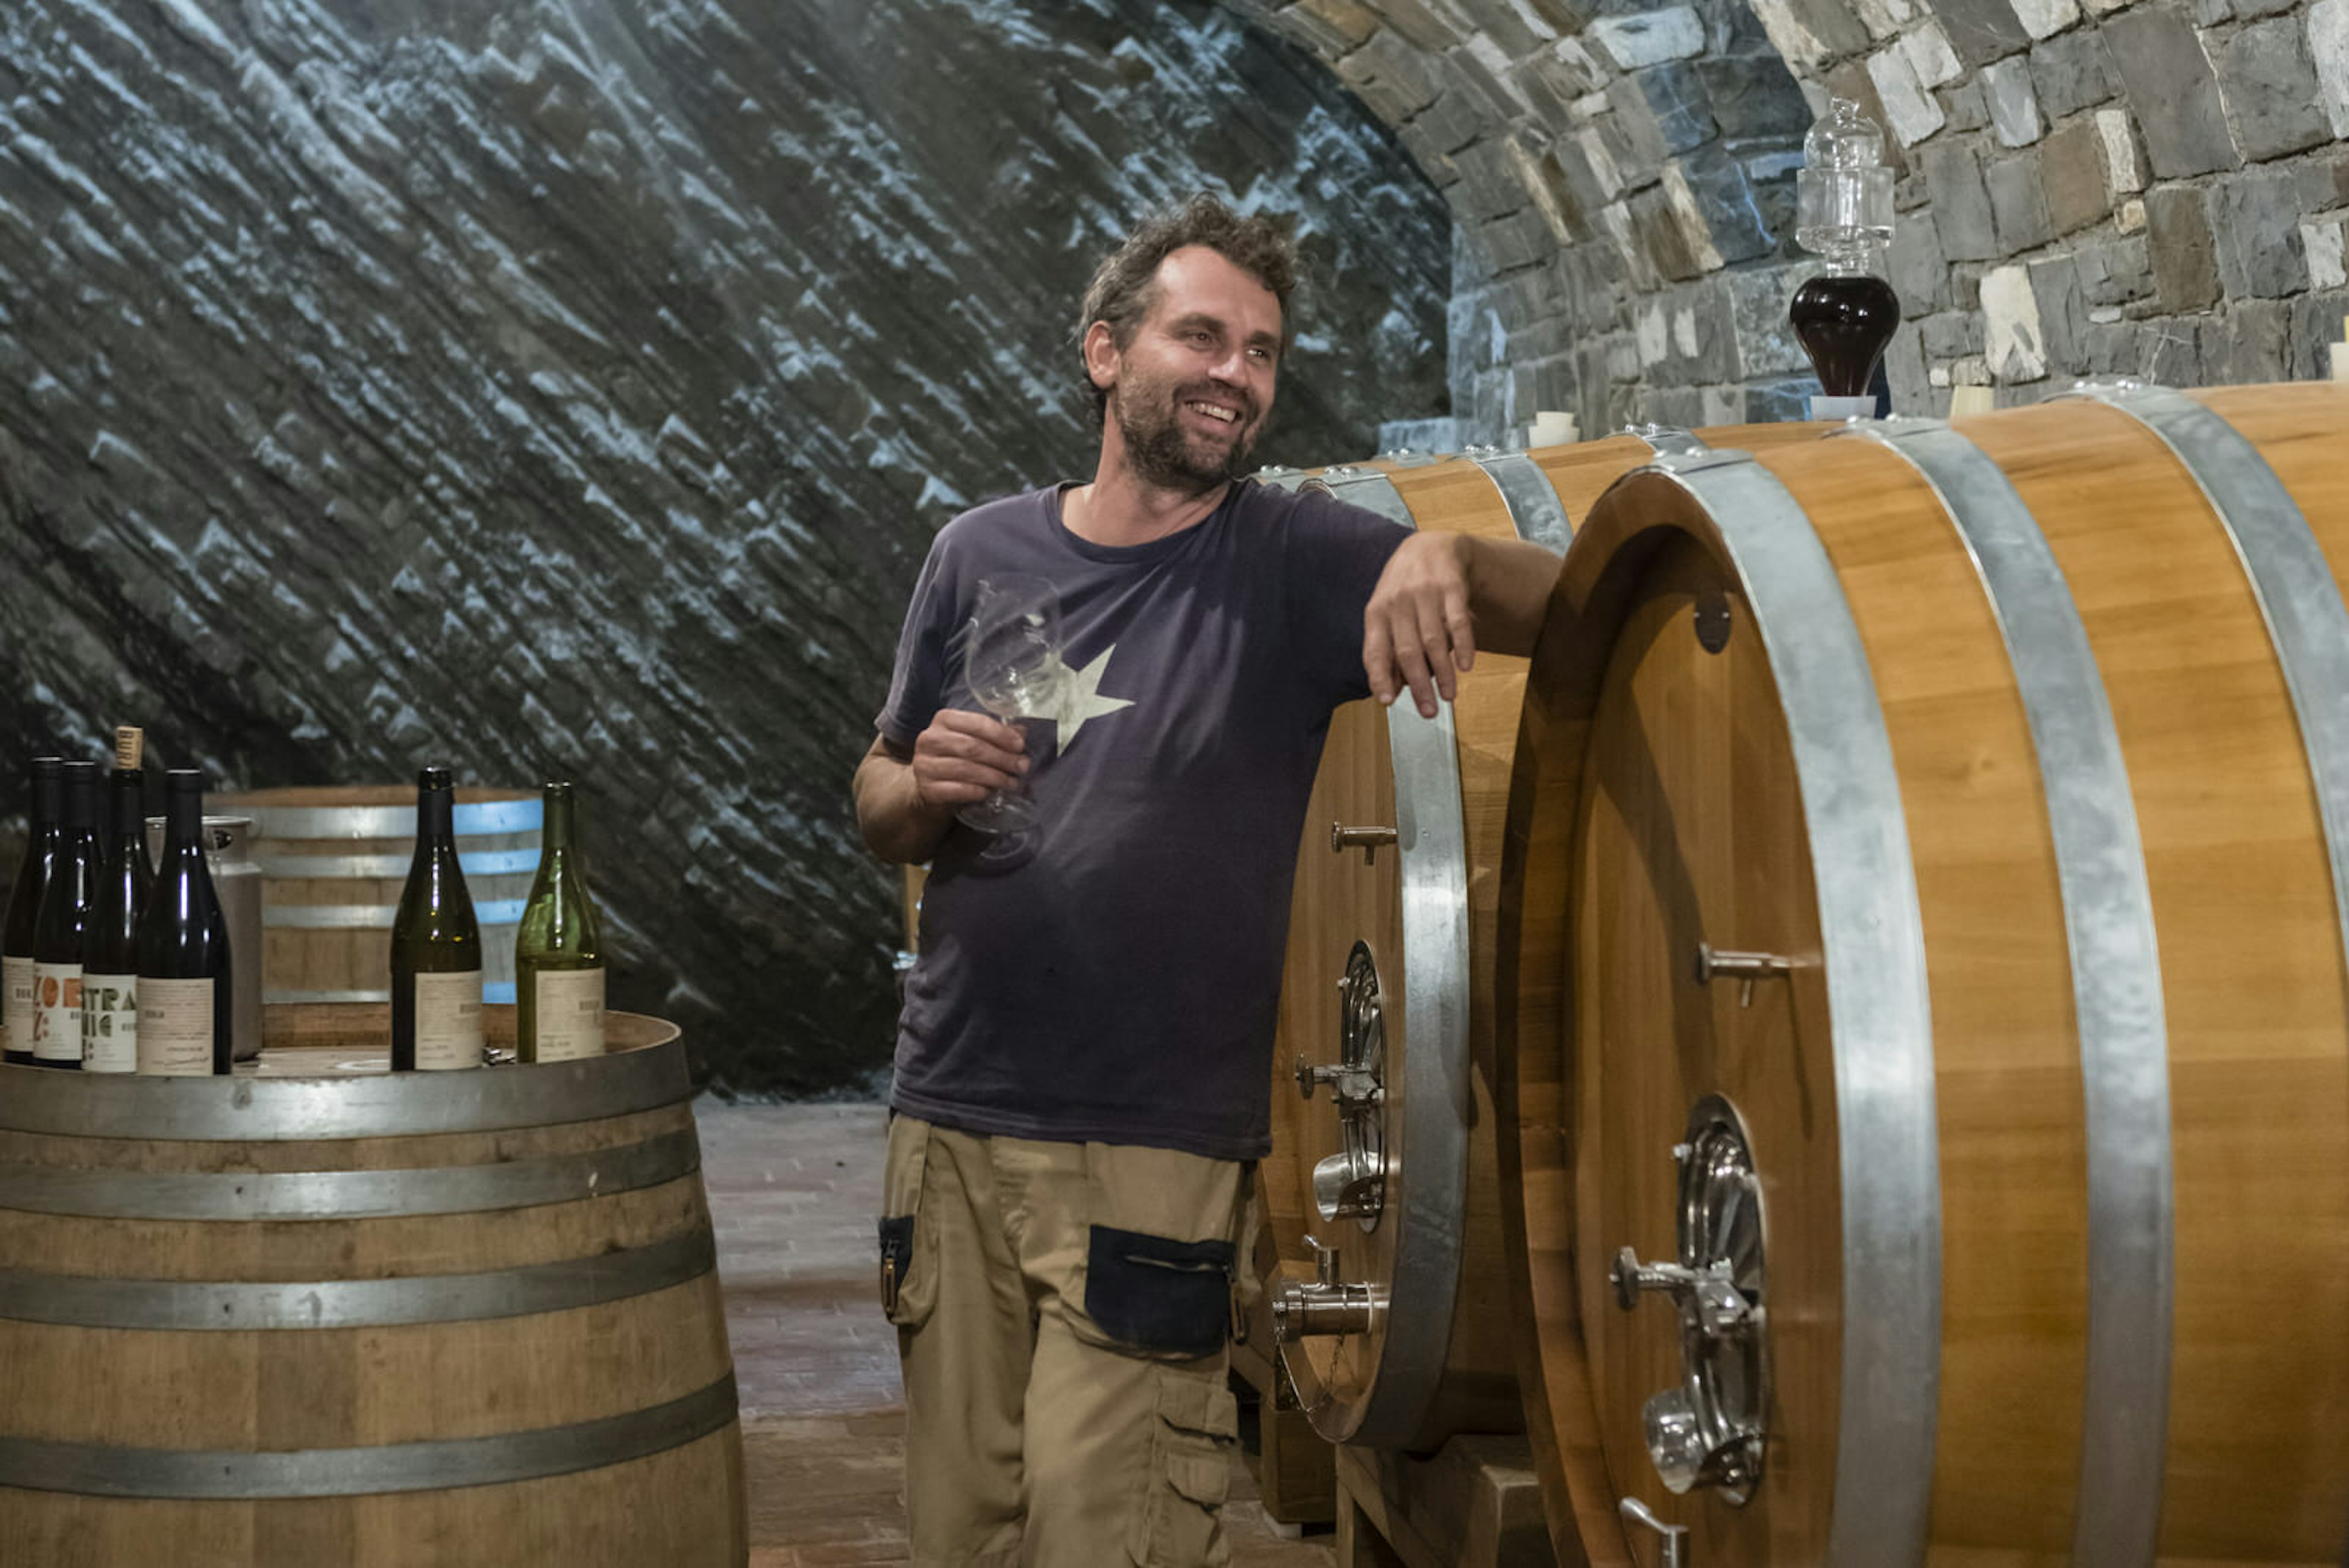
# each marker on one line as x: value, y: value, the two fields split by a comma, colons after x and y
x: 1844, y: 323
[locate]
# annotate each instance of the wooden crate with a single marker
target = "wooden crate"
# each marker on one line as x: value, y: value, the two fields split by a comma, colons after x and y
x: 1476, y: 1503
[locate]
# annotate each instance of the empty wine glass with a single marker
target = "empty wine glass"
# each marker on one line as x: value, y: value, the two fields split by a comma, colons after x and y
x: 1011, y: 662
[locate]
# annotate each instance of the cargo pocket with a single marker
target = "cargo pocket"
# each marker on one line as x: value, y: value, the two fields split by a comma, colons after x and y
x: 1160, y: 1262
x: 1180, y: 1524
x: 909, y: 1249
x: 1159, y: 1297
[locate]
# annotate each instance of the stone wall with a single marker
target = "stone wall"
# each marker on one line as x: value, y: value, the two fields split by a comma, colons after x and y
x: 575, y: 386
x: 2087, y: 187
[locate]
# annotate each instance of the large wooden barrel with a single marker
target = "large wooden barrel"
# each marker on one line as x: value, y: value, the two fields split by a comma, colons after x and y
x: 333, y: 860
x: 329, y: 1315
x: 1390, y: 973
x: 1927, y: 1052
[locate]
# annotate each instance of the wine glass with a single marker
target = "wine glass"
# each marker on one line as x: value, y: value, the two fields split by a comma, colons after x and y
x: 1011, y: 662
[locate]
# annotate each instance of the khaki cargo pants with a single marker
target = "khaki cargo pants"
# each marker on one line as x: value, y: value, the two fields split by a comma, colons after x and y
x: 1062, y: 1313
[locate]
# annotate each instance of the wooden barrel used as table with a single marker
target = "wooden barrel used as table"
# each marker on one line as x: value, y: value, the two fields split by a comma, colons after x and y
x: 327, y: 1315
x: 333, y: 861
x: 1388, y: 979
x: 1927, y: 1050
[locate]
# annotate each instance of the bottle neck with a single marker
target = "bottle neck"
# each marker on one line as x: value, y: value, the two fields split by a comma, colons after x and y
x: 48, y: 800
x: 183, y: 819
x: 80, y: 814
x: 129, y: 803
x: 436, y: 816
x: 556, y: 831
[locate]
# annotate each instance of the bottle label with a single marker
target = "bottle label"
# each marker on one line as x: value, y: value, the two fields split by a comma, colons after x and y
x: 570, y: 1014
x: 175, y: 1027
x: 448, y: 1020
x: 56, y: 1011
x: 17, y: 1003
x: 109, y: 1024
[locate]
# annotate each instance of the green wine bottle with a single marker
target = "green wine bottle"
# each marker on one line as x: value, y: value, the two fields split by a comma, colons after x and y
x: 436, y: 946
x: 558, y: 962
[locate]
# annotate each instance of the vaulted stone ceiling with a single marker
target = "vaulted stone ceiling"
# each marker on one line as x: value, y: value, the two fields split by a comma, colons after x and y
x: 2156, y: 188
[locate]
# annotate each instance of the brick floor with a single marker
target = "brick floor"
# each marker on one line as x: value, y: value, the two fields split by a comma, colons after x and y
x: 791, y: 1190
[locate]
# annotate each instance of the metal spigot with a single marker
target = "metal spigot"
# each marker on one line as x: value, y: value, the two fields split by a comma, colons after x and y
x: 1328, y: 1306
x: 1673, y: 1553
x: 1720, y: 1306
x: 1708, y: 1430
x: 1352, y: 1089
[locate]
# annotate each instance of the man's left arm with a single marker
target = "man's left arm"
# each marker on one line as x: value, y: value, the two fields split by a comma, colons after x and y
x: 1442, y: 597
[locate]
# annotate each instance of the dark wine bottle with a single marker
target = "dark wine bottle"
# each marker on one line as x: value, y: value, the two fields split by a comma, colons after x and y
x: 25, y: 910
x: 63, y: 924
x: 186, y: 1006
x: 436, y: 947
x: 558, y: 961
x: 109, y: 981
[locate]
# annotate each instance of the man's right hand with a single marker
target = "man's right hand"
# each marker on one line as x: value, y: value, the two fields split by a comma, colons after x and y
x: 905, y: 801
x: 965, y: 757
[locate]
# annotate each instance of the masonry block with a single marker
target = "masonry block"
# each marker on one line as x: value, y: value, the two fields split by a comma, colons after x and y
x: 2171, y: 83
x: 2271, y: 90
x: 2185, y: 256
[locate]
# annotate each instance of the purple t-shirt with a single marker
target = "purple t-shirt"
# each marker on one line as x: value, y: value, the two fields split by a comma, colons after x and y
x: 1115, y: 979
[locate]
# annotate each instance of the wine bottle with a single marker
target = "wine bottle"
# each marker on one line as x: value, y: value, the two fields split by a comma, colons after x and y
x: 25, y: 910
x: 109, y: 981
x: 436, y: 947
x: 63, y: 924
x: 186, y: 1005
x: 558, y: 961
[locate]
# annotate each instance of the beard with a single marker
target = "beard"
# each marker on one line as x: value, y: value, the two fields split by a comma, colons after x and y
x: 1165, y: 455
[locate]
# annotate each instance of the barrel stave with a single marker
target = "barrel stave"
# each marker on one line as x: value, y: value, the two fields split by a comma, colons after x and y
x: 482, y: 1151
x: 670, y: 1506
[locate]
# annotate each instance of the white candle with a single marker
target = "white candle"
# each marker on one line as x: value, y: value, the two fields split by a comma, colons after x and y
x: 1964, y: 400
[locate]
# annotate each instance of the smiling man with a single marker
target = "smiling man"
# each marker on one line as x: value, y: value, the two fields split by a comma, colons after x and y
x: 1084, y: 1058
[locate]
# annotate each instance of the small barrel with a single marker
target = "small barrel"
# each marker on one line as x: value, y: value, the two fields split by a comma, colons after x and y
x: 319, y: 1314
x: 334, y: 859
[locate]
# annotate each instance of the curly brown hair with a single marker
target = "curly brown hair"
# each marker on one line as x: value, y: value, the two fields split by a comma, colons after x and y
x: 1122, y: 291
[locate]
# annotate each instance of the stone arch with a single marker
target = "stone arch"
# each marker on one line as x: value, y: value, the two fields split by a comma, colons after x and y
x: 2156, y: 188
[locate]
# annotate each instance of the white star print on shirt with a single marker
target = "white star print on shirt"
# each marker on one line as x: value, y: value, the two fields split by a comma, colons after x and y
x: 1081, y: 698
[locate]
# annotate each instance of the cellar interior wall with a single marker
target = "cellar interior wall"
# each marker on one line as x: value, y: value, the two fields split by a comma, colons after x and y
x: 573, y: 388
x: 2147, y: 188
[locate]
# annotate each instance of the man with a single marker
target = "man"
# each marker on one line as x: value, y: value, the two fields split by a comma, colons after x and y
x: 1084, y: 1059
